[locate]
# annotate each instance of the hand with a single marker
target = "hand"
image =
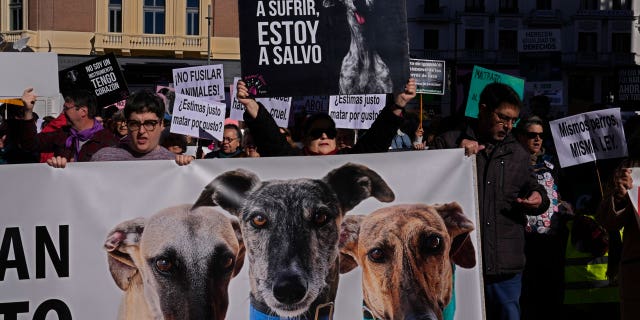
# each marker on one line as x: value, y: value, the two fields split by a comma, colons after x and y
x: 2, y: 139
x: 403, y: 98
x: 29, y: 100
x: 471, y: 147
x: 183, y: 159
x: 419, y: 146
x: 622, y: 183
x: 533, y: 201
x: 419, y: 132
x: 250, y: 105
x: 57, y: 162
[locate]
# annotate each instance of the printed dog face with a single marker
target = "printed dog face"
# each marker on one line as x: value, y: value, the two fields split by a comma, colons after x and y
x: 406, y: 252
x: 291, y: 230
x: 176, y: 264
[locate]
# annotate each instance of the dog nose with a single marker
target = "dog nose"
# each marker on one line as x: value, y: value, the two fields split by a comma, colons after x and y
x: 289, y: 288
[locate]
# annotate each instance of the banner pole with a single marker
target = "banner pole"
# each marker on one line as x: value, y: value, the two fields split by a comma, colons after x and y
x: 420, y: 124
x: 595, y: 163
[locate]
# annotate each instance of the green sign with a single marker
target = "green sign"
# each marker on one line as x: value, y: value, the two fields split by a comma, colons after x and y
x: 481, y: 78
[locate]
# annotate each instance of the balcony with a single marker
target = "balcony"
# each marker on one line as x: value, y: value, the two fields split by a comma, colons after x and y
x: 497, y: 57
x: 431, y: 15
x: 126, y: 43
x: 544, y: 18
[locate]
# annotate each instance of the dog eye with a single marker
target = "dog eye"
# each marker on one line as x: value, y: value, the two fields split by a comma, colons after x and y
x: 376, y: 255
x: 228, y: 262
x: 431, y: 243
x: 320, y: 218
x: 164, y: 265
x: 258, y: 221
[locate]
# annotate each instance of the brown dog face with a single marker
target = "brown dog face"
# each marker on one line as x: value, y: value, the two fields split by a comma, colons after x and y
x: 405, y: 253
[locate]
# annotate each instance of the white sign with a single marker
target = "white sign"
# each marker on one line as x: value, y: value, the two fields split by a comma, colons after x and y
x: 634, y: 193
x: 279, y: 108
x: 356, y: 111
x: 21, y: 70
x: 198, y: 117
x: 551, y: 89
x: 310, y: 104
x: 589, y: 136
x: 237, y: 108
x: 53, y: 259
x: 539, y: 40
x: 206, y: 82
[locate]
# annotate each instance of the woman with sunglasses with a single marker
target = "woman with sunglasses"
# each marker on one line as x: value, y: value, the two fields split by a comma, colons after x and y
x: 319, y: 131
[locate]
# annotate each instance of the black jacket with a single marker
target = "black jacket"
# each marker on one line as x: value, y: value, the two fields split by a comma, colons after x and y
x: 502, y: 176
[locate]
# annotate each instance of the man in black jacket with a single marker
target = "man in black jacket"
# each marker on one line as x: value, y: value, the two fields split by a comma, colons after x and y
x: 507, y: 192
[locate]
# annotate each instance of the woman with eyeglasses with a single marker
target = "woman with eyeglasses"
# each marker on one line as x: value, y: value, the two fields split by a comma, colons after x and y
x: 545, y: 234
x: 319, y: 130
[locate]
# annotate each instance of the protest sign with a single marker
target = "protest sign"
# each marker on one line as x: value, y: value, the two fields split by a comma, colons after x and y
x: 430, y: 75
x: 551, y: 89
x: 237, y: 108
x: 634, y: 193
x: 54, y: 260
x: 101, y: 75
x: 589, y: 136
x: 356, y: 111
x: 198, y: 117
x: 303, y: 47
x: 539, y: 40
x: 206, y: 82
x: 279, y: 108
x: 480, y: 78
x: 19, y: 71
x: 628, y: 84
x: 310, y: 104
x: 168, y: 95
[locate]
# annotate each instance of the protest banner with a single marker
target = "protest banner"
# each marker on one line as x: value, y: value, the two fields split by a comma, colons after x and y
x: 168, y: 95
x: 237, y: 108
x: 310, y: 104
x: 628, y: 86
x: 53, y: 260
x: 279, y: 108
x: 430, y: 75
x: 480, y: 78
x: 101, y: 75
x: 29, y: 70
x: 206, y: 82
x: 551, y: 89
x: 539, y: 40
x: 589, y: 136
x: 356, y: 111
x: 198, y: 117
x: 301, y: 47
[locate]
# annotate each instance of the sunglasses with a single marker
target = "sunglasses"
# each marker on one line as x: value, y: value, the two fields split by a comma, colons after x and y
x: 316, y: 133
x: 533, y: 135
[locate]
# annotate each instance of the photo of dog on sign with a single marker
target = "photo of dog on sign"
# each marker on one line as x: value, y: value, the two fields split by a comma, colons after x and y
x: 291, y: 230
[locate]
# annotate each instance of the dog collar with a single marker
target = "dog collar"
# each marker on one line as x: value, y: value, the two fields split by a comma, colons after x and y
x: 323, y: 312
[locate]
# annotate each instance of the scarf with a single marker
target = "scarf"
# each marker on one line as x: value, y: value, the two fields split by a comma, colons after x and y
x: 76, y: 136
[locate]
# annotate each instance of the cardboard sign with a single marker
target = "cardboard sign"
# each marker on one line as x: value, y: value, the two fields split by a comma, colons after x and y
x: 198, y: 117
x: 356, y: 111
x: 206, y: 82
x: 303, y: 47
x: 480, y: 78
x: 101, y: 75
x: 589, y: 136
x: 279, y: 108
x: 21, y: 70
x: 237, y: 108
x: 429, y: 74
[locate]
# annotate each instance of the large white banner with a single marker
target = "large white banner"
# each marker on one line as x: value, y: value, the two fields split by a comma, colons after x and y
x: 589, y: 136
x: 206, y: 82
x: 198, y: 117
x: 356, y: 111
x: 55, y: 223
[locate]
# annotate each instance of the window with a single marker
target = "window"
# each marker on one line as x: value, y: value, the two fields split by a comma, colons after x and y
x: 431, y: 6
x: 193, y: 17
x: 621, y: 5
x: 543, y: 4
x: 474, y: 39
x: 508, y: 6
x: 115, y: 15
x: 154, y: 13
x: 589, y: 5
x: 587, y: 42
x: 474, y: 5
x: 621, y: 42
x: 15, y: 15
x: 431, y: 39
x: 508, y: 40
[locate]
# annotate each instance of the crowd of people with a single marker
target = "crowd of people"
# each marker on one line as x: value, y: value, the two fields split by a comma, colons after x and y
x: 538, y: 244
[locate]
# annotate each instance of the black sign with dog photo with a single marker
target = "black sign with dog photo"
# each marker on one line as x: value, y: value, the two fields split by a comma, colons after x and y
x: 310, y: 47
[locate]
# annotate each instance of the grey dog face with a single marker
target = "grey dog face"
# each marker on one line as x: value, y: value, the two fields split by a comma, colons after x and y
x: 291, y: 228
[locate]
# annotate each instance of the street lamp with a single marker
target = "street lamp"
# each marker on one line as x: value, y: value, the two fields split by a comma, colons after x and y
x: 209, y: 18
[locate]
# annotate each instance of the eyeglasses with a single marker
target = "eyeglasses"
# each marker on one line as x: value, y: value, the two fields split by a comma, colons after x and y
x: 71, y: 107
x: 502, y: 119
x: 228, y: 140
x: 316, y: 133
x: 148, y: 125
x: 533, y: 135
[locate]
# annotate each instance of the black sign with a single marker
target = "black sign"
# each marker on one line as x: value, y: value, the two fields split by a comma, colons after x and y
x: 313, y: 47
x: 628, y: 87
x: 429, y: 75
x: 101, y: 75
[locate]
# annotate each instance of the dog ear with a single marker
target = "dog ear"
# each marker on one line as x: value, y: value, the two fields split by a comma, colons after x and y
x: 459, y: 226
x: 235, y: 223
x: 353, y: 183
x: 348, y: 245
x: 123, y: 242
x: 228, y: 190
